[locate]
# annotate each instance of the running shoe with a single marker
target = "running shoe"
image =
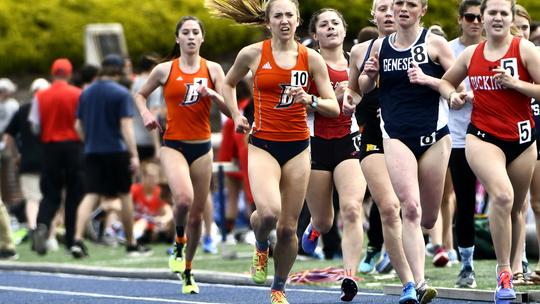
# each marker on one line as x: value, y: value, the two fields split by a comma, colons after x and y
x: 138, y: 250
x: 8, y: 254
x: 452, y: 257
x: 409, y: 294
x: 189, y: 286
x: 466, y: 278
x: 209, y: 246
x: 384, y: 266
x: 39, y: 239
x: 78, y: 250
x: 370, y: 260
x: 440, y: 259
x: 278, y: 297
x: 259, y: 268
x: 348, y: 290
x: 505, y: 289
x: 425, y: 293
x: 177, y: 263
x: 310, y: 240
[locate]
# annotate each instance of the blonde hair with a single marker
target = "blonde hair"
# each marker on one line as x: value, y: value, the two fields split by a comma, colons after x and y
x: 522, y: 12
x: 252, y: 12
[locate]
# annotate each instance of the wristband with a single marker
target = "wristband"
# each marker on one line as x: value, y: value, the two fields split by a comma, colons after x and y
x: 314, y: 102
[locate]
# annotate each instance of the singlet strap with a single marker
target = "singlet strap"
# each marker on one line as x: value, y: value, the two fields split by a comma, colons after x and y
x: 368, y: 52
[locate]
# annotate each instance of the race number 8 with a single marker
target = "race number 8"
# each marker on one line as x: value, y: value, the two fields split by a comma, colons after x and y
x: 299, y: 78
x: 510, y: 65
x: 419, y: 53
x: 524, y: 129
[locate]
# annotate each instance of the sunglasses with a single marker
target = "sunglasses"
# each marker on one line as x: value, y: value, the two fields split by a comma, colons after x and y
x: 469, y: 17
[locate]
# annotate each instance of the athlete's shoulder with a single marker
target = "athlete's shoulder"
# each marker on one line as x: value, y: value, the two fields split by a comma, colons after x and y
x: 213, y: 66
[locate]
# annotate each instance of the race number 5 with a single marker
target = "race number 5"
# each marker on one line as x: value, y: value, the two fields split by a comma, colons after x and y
x: 510, y: 65
x: 419, y: 53
x: 299, y: 78
x: 524, y: 129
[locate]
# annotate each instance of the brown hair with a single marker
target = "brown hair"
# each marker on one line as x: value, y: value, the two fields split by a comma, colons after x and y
x: 175, y: 52
x: 315, y: 18
x: 254, y: 12
x: 483, y: 6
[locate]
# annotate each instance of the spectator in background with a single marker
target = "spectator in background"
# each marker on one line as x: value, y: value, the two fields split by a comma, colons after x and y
x: 30, y: 154
x: 52, y: 114
x: 8, y: 107
x: 85, y: 76
x: 147, y: 141
x: 366, y: 33
x: 104, y: 120
x: 234, y: 149
x: 11, y: 192
x: 8, y: 104
x: 7, y: 247
x: 535, y: 33
x: 153, y: 216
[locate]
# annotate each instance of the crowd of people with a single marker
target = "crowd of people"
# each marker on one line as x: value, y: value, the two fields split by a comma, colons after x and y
x: 407, y: 123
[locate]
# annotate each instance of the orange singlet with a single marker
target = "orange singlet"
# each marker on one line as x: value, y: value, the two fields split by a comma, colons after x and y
x: 277, y: 118
x: 188, y: 115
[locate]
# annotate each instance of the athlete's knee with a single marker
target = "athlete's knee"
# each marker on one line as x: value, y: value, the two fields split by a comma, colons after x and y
x: 182, y: 200
x: 323, y: 224
x: 195, y: 220
x: 411, y: 209
x: 267, y: 219
x: 286, y: 233
x: 389, y: 212
x: 351, y: 213
x: 428, y: 221
x: 502, y: 199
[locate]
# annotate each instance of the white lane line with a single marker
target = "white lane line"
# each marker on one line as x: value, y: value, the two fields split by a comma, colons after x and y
x: 98, y: 295
x: 323, y: 290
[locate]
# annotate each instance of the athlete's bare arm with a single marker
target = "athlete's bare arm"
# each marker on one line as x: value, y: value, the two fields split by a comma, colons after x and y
x: 453, y: 78
x: 246, y: 60
x: 327, y: 102
x: 530, y: 56
x: 440, y: 52
x: 218, y: 77
x: 367, y: 80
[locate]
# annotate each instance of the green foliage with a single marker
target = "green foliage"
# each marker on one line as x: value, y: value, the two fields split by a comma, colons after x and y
x: 33, y: 33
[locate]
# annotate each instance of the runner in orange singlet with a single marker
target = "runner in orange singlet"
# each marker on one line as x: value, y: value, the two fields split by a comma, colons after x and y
x: 190, y: 84
x: 278, y: 153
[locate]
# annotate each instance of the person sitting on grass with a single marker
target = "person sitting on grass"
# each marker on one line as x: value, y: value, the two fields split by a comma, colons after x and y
x: 153, y: 216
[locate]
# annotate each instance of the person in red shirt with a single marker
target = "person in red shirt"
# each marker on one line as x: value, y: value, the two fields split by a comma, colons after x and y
x: 500, y: 144
x: 53, y: 115
x: 153, y: 216
x: 190, y: 85
x: 278, y: 151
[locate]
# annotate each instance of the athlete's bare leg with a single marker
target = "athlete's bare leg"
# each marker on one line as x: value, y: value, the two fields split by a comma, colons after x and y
x: 535, y: 201
x: 351, y: 187
x: 380, y: 187
x: 403, y: 173
x: 319, y: 200
x: 201, y: 173
x: 506, y: 188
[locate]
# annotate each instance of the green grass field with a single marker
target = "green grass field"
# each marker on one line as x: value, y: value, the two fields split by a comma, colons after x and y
x: 103, y: 256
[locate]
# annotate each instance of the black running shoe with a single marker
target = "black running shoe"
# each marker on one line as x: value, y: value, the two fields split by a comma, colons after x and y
x: 348, y: 290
